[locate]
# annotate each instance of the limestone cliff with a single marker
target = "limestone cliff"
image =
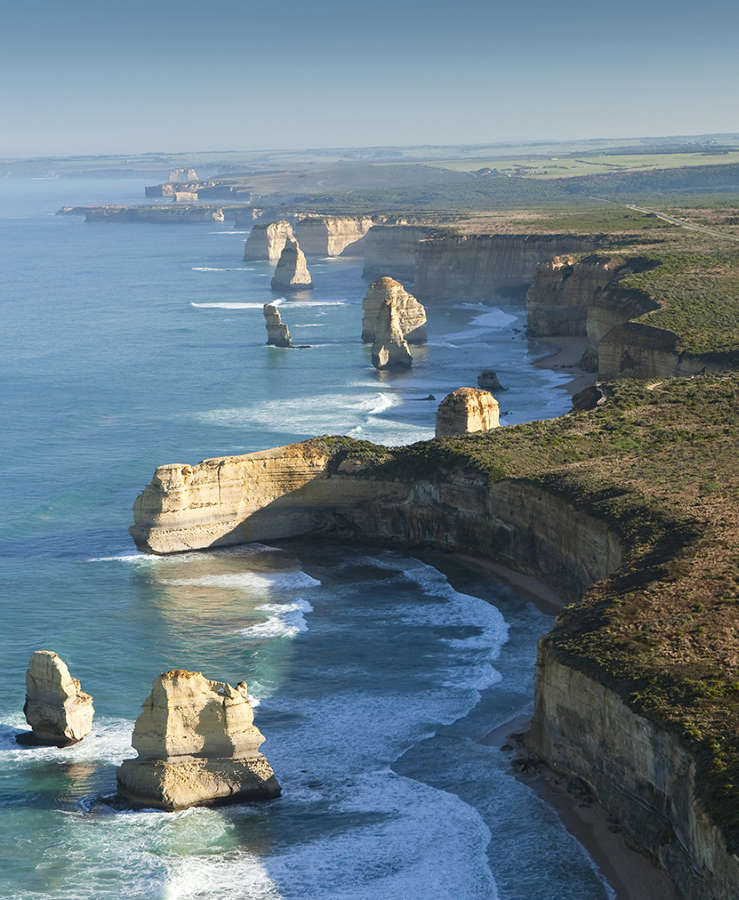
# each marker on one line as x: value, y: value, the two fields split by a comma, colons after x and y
x: 332, y: 235
x: 477, y: 266
x: 197, y: 744
x: 292, y: 272
x: 278, y: 334
x: 411, y: 314
x: 57, y: 709
x: 467, y: 410
x: 267, y: 240
x: 390, y: 350
x: 614, y: 703
x: 157, y: 215
x: 180, y: 175
x: 391, y: 250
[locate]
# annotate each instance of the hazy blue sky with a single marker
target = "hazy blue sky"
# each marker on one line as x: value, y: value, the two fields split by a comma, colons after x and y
x: 91, y: 76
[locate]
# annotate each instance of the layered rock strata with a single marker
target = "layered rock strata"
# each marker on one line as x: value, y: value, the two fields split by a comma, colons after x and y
x: 411, y: 314
x: 292, y: 272
x: 477, y: 266
x: 278, y: 334
x: 267, y: 240
x: 390, y: 350
x: 197, y: 744
x: 391, y: 250
x: 467, y: 410
x: 332, y: 235
x: 57, y: 709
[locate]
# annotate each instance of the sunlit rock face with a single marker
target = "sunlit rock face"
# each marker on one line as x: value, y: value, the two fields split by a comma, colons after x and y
x: 292, y: 272
x: 467, y: 410
x: 410, y: 313
x: 57, y: 709
x: 390, y: 349
x: 267, y: 240
x: 197, y: 745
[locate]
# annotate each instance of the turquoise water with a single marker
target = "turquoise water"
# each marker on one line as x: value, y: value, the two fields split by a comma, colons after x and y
x: 124, y: 347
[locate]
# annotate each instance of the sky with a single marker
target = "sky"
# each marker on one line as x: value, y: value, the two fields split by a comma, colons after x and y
x: 95, y: 76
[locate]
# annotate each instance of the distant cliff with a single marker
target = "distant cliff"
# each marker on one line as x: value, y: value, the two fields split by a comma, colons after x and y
x: 158, y: 215
x: 332, y: 235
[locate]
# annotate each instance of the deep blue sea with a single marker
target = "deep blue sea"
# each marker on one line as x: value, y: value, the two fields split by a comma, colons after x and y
x: 376, y: 674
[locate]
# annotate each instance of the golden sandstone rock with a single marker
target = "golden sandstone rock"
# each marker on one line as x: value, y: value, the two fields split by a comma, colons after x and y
x: 390, y: 349
x: 57, y: 709
x: 197, y: 744
x: 411, y: 314
x: 466, y: 410
x: 278, y: 334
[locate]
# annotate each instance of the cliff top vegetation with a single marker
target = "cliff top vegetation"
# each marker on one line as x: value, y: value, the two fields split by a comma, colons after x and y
x: 658, y: 462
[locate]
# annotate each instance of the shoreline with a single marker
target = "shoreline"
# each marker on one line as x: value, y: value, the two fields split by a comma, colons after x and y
x: 563, y: 353
x: 629, y: 873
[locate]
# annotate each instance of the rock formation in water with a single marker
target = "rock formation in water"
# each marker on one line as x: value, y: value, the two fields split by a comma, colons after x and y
x: 390, y: 349
x: 185, y: 197
x: 488, y: 381
x: 466, y: 410
x: 292, y: 272
x: 57, y: 709
x: 278, y: 334
x: 410, y: 313
x: 267, y: 240
x: 332, y: 235
x: 197, y: 744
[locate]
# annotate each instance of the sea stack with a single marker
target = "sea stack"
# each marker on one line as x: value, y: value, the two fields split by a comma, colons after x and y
x: 488, y: 381
x: 57, y: 709
x: 197, y: 745
x: 267, y: 240
x: 390, y: 349
x: 411, y: 313
x: 292, y: 272
x: 278, y: 334
x: 467, y: 410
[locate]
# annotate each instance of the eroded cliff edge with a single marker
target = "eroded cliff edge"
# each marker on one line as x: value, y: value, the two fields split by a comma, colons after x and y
x: 626, y: 510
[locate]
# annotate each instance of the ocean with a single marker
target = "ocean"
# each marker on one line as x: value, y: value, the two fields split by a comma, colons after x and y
x: 375, y: 673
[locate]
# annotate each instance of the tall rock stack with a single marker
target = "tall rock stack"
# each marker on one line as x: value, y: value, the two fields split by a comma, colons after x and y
x: 278, y: 334
x: 197, y: 745
x: 292, y: 272
x: 57, y: 709
x: 467, y: 410
x: 390, y: 349
x: 411, y: 314
x: 267, y: 240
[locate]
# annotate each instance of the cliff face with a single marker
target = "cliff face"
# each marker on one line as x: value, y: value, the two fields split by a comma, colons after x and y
x: 267, y: 240
x: 562, y: 291
x: 391, y: 250
x: 635, y: 350
x: 158, y: 215
x: 640, y: 773
x: 569, y: 297
x: 475, y: 267
x: 332, y: 235
x: 624, y: 549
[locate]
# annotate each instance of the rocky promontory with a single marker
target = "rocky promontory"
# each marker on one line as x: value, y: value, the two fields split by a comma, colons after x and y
x: 410, y: 313
x: 197, y: 745
x: 156, y: 215
x: 636, y: 685
x: 278, y: 334
x: 267, y: 240
x: 57, y: 709
x: 292, y: 272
